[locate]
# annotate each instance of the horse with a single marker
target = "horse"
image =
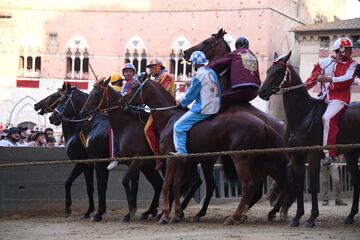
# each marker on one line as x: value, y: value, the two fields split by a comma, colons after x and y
x: 225, y: 131
x: 74, y: 150
x: 214, y: 48
x: 304, y: 118
x: 97, y: 145
x: 129, y: 125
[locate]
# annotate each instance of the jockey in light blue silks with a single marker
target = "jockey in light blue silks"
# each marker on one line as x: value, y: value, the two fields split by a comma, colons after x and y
x: 205, y: 91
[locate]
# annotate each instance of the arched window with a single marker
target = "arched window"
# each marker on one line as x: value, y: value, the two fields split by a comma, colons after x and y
x: 29, y: 63
x: 29, y: 56
x: 178, y: 66
x: 77, y: 58
x: 143, y: 61
x: 132, y: 49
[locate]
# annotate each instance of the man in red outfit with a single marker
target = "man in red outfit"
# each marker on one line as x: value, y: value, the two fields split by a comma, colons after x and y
x: 335, y: 75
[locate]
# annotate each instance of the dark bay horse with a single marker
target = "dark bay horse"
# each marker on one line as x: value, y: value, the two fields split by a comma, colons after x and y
x: 214, y: 48
x: 225, y: 131
x: 96, y: 131
x: 74, y: 150
x: 129, y: 126
x: 304, y: 118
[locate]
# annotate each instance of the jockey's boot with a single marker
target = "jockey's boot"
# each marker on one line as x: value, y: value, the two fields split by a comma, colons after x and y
x: 327, y: 161
x: 112, y: 165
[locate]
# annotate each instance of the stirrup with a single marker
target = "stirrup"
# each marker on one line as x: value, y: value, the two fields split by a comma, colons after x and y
x: 327, y: 161
x: 112, y: 165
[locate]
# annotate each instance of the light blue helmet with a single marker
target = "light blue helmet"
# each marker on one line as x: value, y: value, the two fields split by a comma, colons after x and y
x: 199, y: 58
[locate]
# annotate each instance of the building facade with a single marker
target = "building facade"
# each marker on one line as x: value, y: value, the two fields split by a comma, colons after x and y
x: 46, y: 43
x: 316, y: 42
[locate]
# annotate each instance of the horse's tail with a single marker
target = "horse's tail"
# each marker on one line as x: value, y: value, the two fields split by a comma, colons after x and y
x: 229, y: 168
x: 288, y: 196
x: 283, y: 189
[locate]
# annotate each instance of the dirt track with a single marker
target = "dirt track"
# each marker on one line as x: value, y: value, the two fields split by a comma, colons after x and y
x: 54, y: 226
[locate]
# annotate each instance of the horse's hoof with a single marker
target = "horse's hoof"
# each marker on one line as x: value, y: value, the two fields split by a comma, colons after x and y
x: 229, y: 221
x: 182, y: 215
x: 96, y: 219
x: 271, y: 216
x: 144, y: 216
x: 159, y: 216
x: 349, y: 220
x: 85, y: 217
x: 162, y: 221
x: 243, y: 219
x: 125, y: 219
x: 174, y: 220
x: 309, y: 224
x: 195, y: 219
x: 67, y: 213
x: 294, y: 223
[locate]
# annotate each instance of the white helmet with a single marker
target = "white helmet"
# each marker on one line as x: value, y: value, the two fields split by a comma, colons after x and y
x: 342, y: 43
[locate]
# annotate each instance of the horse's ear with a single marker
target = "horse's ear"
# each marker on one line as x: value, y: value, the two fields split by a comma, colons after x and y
x: 106, y: 82
x: 68, y: 86
x: 276, y: 55
x: 221, y: 33
x: 287, y: 57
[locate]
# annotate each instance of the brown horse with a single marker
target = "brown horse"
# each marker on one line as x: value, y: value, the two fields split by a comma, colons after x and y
x: 226, y: 131
x: 214, y: 48
x: 129, y: 124
x: 304, y: 118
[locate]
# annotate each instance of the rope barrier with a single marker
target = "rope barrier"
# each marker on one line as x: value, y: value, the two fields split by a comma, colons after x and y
x: 191, y: 155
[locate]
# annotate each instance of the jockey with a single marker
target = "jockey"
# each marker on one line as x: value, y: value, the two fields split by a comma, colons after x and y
x: 160, y: 74
x: 205, y: 91
x: 129, y: 73
x: 335, y: 75
x: 116, y: 81
x: 244, y: 73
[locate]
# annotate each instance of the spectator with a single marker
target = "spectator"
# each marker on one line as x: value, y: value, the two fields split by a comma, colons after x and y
x: 49, y: 132
x: 333, y: 171
x: 23, y: 142
x: 31, y: 137
x: 61, y: 142
x: 51, y: 141
x: 3, y: 135
x: 40, y: 140
x: 13, y: 137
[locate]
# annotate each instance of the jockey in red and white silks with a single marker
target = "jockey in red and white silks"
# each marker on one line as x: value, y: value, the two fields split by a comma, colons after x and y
x: 335, y: 75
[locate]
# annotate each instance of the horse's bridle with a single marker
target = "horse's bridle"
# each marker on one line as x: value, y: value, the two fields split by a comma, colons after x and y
x: 105, y: 95
x: 281, y: 89
x: 52, y: 107
x: 139, y: 91
x: 61, y: 113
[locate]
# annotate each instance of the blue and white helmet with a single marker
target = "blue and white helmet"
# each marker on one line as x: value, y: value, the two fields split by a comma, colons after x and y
x: 199, y: 58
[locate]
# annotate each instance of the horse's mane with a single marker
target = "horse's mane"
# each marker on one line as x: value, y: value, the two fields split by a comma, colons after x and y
x: 299, y: 81
x: 228, y: 49
x: 84, y: 94
x: 163, y: 91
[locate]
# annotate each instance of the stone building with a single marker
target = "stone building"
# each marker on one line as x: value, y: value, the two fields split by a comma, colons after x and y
x: 46, y: 43
x: 316, y: 41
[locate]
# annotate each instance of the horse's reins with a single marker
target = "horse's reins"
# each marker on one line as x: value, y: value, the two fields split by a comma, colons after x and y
x: 57, y: 100
x: 64, y: 118
x: 139, y: 91
x: 287, y: 77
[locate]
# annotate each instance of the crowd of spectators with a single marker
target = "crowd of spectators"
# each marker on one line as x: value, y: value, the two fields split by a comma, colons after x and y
x: 24, y: 137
